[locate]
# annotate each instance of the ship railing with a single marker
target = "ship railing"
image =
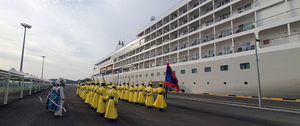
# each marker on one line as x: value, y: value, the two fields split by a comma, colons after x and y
x: 269, y: 42
x: 244, y: 27
x: 221, y: 3
x: 223, y: 33
x: 195, y: 42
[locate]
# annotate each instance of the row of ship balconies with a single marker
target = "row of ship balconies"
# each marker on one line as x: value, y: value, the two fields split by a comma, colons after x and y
x: 190, y: 6
x: 174, y: 46
x: 195, y: 25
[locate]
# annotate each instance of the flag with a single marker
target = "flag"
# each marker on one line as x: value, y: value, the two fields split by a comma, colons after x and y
x: 171, y: 78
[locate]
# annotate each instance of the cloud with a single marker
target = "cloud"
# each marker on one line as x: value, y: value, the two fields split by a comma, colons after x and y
x: 72, y: 34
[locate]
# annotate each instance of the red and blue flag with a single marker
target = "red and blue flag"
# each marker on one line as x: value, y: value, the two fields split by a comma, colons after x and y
x: 171, y: 78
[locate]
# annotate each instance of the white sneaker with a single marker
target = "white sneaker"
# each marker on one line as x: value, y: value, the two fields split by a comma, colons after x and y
x: 57, y: 115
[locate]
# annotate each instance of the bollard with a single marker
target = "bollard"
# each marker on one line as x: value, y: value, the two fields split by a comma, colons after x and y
x: 6, y: 92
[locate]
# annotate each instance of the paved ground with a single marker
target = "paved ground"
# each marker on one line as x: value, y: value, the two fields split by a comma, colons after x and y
x: 183, y: 109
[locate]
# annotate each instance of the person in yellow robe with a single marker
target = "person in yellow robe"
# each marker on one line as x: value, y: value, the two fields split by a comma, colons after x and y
x: 131, y: 89
x: 87, y: 97
x: 92, y: 92
x: 96, y: 95
x: 135, y: 94
x: 160, y: 100
x: 126, y: 97
x: 119, y: 90
x: 122, y: 91
x: 102, y: 101
x: 83, y: 93
x: 111, y: 109
x: 149, y: 99
x: 78, y: 88
x: 141, y: 98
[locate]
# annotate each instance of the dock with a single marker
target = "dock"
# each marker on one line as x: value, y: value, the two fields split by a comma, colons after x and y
x: 183, y: 109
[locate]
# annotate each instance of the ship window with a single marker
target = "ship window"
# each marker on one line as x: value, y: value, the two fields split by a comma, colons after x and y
x: 128, y: 76
x: 245, y: 66
x: 152, y: 74
x: 146, y: 75
x: 164, y: 73
x: 246, y: 46
x: 182, y: 71
x: 207, y: 69
x: 224, y: 68
x: 136, y: 76
x: 132, y: 76
x: 140, y: 75
x: 158, y: 74
x: 194, y: 70
x: 125, y: 76
x: 174, y: 72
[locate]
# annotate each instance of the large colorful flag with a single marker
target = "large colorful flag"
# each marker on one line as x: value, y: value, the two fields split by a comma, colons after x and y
x: 171, y: 78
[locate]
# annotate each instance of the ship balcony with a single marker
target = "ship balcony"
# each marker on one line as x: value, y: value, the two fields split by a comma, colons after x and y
x: 244, y: 27
x: 166, y: 51
x: 222, y: 3
x: 183, y: 46
x: 195, y: 42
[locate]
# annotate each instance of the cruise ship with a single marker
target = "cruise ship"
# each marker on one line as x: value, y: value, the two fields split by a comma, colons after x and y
x: 210, y: 45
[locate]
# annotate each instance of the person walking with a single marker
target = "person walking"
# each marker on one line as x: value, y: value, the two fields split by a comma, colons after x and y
x: 160, y: 101
x: 111, y: 109
x: 149, y: 99
x: 60, y: 97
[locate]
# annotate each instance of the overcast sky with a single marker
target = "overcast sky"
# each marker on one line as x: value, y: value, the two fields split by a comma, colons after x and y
x: 72, y: 34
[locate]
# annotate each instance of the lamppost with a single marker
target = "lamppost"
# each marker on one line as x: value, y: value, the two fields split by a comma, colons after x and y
x: 43, y: 66
x: 258, y: 76
x: 25, y: 26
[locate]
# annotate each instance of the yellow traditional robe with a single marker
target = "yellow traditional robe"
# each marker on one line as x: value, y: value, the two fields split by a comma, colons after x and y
x: 111, y: 109
x: 141, y: 98
x: 122, y: 92
x: 84, y: 90
x: 130, y: 98
x: 160, y: 100
x: 135, y: 94
x: 78, y: 89
x: 126, y: 97
x: 92, y: 94
x: 149, y: 98
x: 87, y: 97
x: 96, y: 97
x: 101, y: 105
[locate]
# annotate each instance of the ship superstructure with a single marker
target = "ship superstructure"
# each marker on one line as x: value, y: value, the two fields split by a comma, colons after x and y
x: 210, y: 46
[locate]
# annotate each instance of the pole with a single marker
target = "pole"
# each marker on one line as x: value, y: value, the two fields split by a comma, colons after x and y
x: 43, y: 67
x: 258, y: 75
x: 21, y: 66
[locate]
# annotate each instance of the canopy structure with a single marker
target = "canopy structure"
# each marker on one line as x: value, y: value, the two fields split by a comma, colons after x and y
x: 14, y: 75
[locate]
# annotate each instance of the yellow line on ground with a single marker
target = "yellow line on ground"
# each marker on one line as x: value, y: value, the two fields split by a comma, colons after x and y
x: 297, y: 99
x: 211, y: 93
x: 224, y: 95
x: 264, y: 97
x: 277, y: 98
x: 173, y: 91
x: 239, y: 96
x: 249, y: 96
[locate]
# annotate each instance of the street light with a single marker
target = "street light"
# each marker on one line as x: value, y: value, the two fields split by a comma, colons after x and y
x: 258, y: 76
x: 43, y: 66
x: 25, y: 26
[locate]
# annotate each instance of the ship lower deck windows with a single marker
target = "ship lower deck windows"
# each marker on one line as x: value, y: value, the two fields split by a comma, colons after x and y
x: 207, y: 69
x: 182, y: 71
x: 136, y: 76
x: 194, y: 70
x: 152, y: 74
x: 245, y: 66
x: 140, y: 75
x: 158, y: 74
x: 146, y: 75
x: 224, y: 68
x: 132, y: 76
